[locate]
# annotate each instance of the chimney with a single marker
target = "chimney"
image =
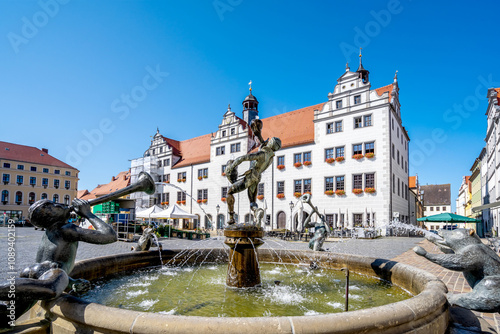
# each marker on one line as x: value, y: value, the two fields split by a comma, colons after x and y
x: 46, y: 150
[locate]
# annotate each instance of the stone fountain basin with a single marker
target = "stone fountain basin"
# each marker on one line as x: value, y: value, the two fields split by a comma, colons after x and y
x: 426, y: 312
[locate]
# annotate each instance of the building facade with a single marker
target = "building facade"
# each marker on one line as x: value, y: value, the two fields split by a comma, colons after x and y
x: 416, y: 205
x: 30, y: 174
x: 350, y: 153
x: 436, y: 199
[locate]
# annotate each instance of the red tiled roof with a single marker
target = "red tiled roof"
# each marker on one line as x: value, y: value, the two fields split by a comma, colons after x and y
x: 119, y: 182
x: 384, y: 89
x: 29, y: 154
x: 412, y: 180
x: 293, y: 128
x: 81, y: 193
x: 498, y: 94
x: 194, y: 151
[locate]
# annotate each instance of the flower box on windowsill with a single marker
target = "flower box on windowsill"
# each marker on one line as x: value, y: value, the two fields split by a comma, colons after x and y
x: 297, y: 164
x: 370, y: 155
x: 200, y: 177
x: 330, y: 160
x: 204, y: 200
x: 223, y: 174
x: 205, y: 176
x: 179, y: 180
x: 357, y: 191
x: 166, y: 182
x: 329, y: 192
x: 183, y: 202
x: 260, y: 197
x: 280, y: 196
x: 339, y: 159
x: 358, y: 156
x: 370, y: 190
x: 178, y: 202
x: 297, y: 194
x: 307, y: 163
x: 223, y: 199
x: 198, y: 201
x: 164, y: 203
x: 340, y: 192
x: 280, y: 167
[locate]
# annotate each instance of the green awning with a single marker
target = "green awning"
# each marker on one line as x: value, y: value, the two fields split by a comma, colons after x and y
x: 448, y: 217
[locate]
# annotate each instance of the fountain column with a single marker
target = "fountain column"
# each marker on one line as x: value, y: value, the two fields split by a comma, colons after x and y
x: 243, y: 268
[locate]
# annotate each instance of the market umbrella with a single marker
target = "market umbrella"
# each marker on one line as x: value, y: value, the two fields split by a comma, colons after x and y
x: 148, y: 212
x: 174, y: 212
x: 448, y: 217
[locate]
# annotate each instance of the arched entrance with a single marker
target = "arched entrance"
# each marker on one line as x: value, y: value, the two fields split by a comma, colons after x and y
x: 220, y: 221
x: 281, y: 220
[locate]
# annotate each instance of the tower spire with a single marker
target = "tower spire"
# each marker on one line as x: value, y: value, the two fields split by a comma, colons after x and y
x: 360, y: 56
x: 250, y: 84
x: 363, y: 74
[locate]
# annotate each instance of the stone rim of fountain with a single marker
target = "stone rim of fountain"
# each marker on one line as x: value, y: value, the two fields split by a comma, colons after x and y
x: 426, y: 312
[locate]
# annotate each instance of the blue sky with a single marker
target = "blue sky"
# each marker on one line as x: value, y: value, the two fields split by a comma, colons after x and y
x: 71, y: 69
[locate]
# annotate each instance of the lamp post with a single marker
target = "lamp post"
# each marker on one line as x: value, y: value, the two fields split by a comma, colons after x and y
x: 217, y: 217
x: 291, y: 218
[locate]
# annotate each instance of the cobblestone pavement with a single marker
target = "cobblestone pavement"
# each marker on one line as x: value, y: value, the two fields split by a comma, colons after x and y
x: 394, y: 248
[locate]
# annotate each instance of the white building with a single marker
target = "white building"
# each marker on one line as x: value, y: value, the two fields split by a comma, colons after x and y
x: 437, y: 199
x: 350, y: 152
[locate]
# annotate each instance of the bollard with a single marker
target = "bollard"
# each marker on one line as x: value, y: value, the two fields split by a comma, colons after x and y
x: 346, y: 288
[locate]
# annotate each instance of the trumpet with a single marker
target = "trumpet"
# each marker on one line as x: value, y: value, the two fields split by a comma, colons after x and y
x: 144, y: 183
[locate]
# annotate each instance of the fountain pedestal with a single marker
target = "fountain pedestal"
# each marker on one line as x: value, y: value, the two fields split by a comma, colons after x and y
x: 243, y: 268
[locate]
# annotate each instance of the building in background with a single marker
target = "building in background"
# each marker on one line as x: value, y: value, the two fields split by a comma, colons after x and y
x: 30, y: 174
x: 350, y: 153
x: 415, y: 201
x: 463, y: 200
x: 436, y: 199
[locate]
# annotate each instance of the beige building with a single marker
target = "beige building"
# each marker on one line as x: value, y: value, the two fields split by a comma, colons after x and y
x: 30, y: 174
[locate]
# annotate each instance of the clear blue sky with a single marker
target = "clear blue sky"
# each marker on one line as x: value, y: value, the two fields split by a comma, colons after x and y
x: 67, y: 67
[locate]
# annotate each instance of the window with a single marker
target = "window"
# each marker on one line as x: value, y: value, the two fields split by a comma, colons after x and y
x: 329, y: 128
x: 166, y: 162
x: 398, y: 156
x: 181, y: 176
x: 307, y: 156
x: 339, y: 152
x: 56, y: 183
x: 328, y: 184
x: 166, y: 178
x: 444, y: 208
x: 68, y: 173
x: 221, y: 150
x: 45, y: 182
x: 367, y: 120
x: 339, y: 183
x: 392, y: 121
x: 223, y: 169
x: 370, y: 180
x: 19, y: 197
x: 66, y: 199
x: 165, y: 198
x: 233, y: 131
x: 55, y: 198
x: 297, y: 158
x: 357, y: 181
x: 260, y: 189
x: 370, y: 147
x: 357, y: 149
x: 20, y: 179
x: 223, y: 133
x: 32, y: 198
x: 32, y: 181
x: 5, y: 196
x: 338, y: 126
x: 202, y: 173
x: 281, y: 187
x: 281, y: 160
x: 338, y: 104
x: 397, y: 131
x: 67, y: 184
x: 6, y: 178
x: 20, y: 167
x: 33, y: 168
x: 45, y: 170
x: 406, y: 166
x: 57, y: 171
x: 358, y: 219
x: 159, y: 163
x: 307, y: 186
x: 431, y: 208
x: 357, y: 122
x: 235, y: 147
x: 393, y: 152
x: 399, y: 190
x: 181, y: 197
x: 6, y: 165
x: 329, y: 153
x: 223, y: 192
x: 438, y: 208
x: 393, y: 184
x: 357, y: 99
x: 202, y: 195
x: 44, y: 196
x: 297, y: 186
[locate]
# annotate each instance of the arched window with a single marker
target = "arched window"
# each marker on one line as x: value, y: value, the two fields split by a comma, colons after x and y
x: 66, y: 199
x: 5, y: 197
x: 281, y: 220
x: 31, y: 198
x: 208, y: 219
x: 55, y: 199
x: 220, y: 221
x: 44, y: 196
x: 19, y: 197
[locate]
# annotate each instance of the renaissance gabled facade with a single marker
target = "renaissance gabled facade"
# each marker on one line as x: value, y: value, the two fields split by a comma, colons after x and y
x: 350, y: 153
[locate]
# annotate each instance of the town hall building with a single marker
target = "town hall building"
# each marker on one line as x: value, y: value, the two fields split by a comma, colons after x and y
x: 350, y: 152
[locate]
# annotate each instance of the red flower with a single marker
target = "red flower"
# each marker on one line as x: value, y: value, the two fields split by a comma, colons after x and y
x: 358, y: 156
x: 280, y: 167
x: 297, y: 194
x: 307, y: 163
x: 370, y: 190
x: 357, y: 191
x: 339, y: 159
x: 329, y: 192
x: 297, y: 164
x: 198, y: 201
x: 260, y: 197
x: 223, y: 199
x: 204, y: 200
x: 200, y: 177
x: 340, y: 192
x: 369, y: 155
x: 280, y: 196
x: 330, y: 160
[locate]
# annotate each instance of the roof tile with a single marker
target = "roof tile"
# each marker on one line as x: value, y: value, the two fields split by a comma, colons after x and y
x: 29, y: 154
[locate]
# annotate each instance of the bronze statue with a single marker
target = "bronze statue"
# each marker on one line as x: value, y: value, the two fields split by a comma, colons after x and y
x: 320, y: 228
x: 260, y: 161
x: 55, y: 259
x: 146, y: 241
x: 479, y: 264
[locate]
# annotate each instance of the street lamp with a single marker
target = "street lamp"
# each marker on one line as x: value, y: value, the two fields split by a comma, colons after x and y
x: 291, y: 219
x: 217, y: 217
